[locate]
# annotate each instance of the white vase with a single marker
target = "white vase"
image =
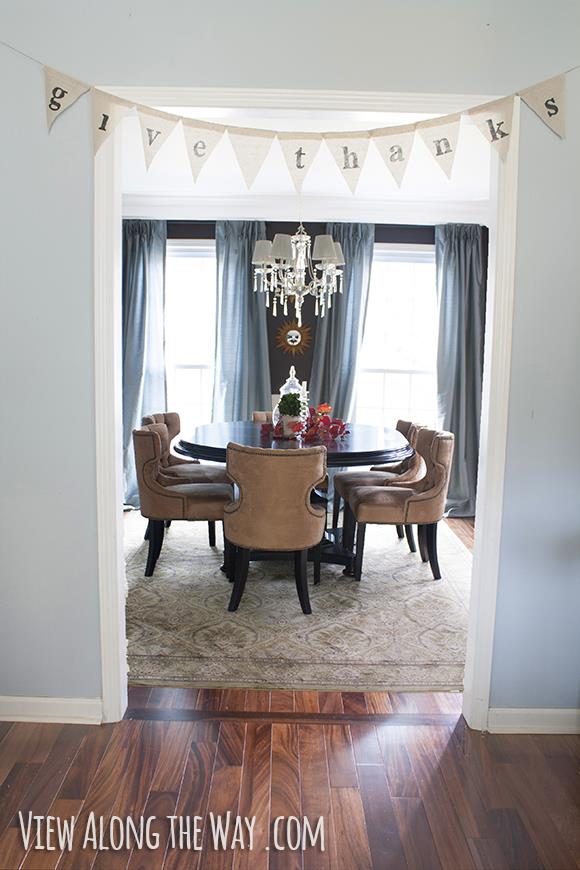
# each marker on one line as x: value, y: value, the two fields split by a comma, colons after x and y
x: 287, y: 423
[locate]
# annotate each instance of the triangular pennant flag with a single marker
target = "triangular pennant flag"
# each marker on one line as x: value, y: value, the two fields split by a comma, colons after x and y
x: 349, y: 151
x: 61, y: 93
x: 201, y: 137
x: 155, y: 130
x: 394, y: 144
x: 251, y: 148
x: 494, y: 121
x: 107, y: 111
x: 440, y: 136
x: 548, y: 100
x: 299, y: 150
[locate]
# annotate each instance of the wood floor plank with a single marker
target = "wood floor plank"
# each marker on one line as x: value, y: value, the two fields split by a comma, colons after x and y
x: 514, y: 840
x: 160, y: 804
x: 138, y: 696
x: 28, y: 743
x: 365, y: 743
x: 383, y: 834
x: 184, y: 699
x: 315, y: 793
x: 282, y: 702
x: 160, y: 696
x: 285, y: 790
x: 85, y: 764
x: 330, y: 702
x: 194, y: 790
x: 14, y: 788
x: 208, y: 699
x: 354, y: 702
x: 4, y: 729
x: 306, y: 702
x: 400, y: 776
x: 340, y: 755
x: 351, y: 842
x: 257, y: 700
x: 255, y: 795
x: 132, y: 796
x: 488, y: 854
x: 415, y: 834
x: 224, y: 795
x: 447, y: 833
x: 378, y: 703
x: 103, y: 790
x: 40, y: 859
x: 233, y: 699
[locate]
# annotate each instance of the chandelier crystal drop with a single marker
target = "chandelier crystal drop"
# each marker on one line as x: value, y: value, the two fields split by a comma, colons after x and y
x: 285, y: 270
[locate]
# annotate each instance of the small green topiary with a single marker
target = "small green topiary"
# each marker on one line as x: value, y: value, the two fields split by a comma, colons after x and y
x: 290, y: 405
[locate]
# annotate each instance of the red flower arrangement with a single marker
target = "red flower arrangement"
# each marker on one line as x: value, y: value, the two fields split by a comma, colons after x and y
x: 319, y: 425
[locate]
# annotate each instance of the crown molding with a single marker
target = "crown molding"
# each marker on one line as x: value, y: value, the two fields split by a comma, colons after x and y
x: 271, y: 98
x: 317, y: 209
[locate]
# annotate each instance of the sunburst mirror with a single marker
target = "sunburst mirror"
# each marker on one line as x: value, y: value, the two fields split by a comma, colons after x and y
x: 293, y: 339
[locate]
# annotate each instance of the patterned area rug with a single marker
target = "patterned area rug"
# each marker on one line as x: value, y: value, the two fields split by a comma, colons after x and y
x: 397, y: 630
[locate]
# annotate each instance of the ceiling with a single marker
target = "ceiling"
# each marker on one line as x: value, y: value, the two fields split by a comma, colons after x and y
x: 169, y: 174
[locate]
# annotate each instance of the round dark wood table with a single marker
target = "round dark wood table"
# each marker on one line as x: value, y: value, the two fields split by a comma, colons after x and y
x: 364, y: 445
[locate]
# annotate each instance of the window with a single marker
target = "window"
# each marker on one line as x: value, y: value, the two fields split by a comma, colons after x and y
x: 190, y: 313
x: 397, y: 370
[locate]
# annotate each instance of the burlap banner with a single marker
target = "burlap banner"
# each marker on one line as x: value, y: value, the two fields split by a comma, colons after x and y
x: 441, y: 136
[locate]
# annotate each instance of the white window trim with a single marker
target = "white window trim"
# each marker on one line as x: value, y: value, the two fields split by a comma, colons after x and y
x: 385, y: 252
x: 107, y: 259
x: 190, y: 248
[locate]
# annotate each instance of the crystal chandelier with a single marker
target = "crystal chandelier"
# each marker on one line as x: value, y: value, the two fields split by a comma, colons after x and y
x: 285, y: 268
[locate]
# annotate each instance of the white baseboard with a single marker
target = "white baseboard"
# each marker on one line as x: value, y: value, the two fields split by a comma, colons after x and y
x: 87, y: 711
x: 517, y: 720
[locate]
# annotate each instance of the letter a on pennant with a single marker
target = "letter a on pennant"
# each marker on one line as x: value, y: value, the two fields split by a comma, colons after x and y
x: 548, y: 100
x: 61, y: 93
x: 494, y: 122
x: 155, y: 130
x: 394, y: 144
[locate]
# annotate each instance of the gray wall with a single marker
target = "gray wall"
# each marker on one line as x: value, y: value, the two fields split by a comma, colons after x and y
x: 537, y: 640
x: 49, y: 616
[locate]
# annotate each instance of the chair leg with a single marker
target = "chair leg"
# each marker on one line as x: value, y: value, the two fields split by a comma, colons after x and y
x: 167, y: 524
x: 317, y: 560
x: 242, y: 566
x: 147, y: 531
x: 156, y: 531
x: 335, y: 509
x: 422, y: 539
x: 400, y: 532
x: 432, y: 550
x: 348, y: 527
x: 360, y: 547
x: 211, y: 532
x: 301, y: 575
x: 410, y: 538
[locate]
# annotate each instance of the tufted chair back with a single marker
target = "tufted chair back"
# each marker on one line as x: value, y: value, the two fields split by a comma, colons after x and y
x: 169, y: 418
x: 427, y: 505
x: 273, y: 511
x: 156, y: 501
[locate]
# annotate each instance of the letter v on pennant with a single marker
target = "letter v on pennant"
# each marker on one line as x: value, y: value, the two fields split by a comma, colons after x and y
x: 155, y: 130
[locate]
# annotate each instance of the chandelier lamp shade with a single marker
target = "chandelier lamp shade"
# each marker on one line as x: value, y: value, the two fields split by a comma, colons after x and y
x: 288, y: 270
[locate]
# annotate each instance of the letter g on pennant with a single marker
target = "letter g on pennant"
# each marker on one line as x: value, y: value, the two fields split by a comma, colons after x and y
x: 61, y: 92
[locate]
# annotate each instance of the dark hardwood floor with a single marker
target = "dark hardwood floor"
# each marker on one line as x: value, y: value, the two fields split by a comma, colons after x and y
x: 400, y: 781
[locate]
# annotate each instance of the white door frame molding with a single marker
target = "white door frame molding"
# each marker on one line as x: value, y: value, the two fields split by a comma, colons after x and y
x: 108, y: 419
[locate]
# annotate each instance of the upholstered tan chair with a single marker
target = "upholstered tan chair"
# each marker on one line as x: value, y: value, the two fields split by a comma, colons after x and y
x: 405, y: 473
x: 261, y: 416
x: 273, y: 511
x: 161, y: 503
x: 176, y: 470
x: 422, y: 504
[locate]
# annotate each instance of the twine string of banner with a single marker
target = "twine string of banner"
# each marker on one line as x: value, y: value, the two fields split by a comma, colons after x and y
x: 348, y: 148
